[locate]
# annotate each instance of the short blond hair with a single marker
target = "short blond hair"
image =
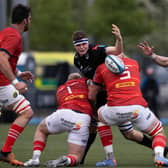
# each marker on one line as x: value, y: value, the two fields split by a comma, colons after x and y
x: 74, y: 76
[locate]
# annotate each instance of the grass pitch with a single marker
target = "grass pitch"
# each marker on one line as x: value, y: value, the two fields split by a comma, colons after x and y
x: 128, y: 154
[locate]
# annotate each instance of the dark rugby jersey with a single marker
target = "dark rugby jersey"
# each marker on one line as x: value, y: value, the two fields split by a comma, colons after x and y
x: 88, y: 63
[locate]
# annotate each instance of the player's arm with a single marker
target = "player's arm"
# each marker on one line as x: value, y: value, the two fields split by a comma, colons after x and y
x: 118, y: 48
x: 5, y: 67
x: 93, y: 91
x: 26, y: 75
x: 149, y: 51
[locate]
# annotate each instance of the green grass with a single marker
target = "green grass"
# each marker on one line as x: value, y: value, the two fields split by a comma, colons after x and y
x: 128, y: 154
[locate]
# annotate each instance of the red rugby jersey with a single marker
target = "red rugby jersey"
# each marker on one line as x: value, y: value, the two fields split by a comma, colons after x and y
x: 11, y: 43
x: 74, y: 95
x: 122, y: 89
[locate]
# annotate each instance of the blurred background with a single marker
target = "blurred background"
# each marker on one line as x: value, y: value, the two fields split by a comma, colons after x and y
x: 48, y: 50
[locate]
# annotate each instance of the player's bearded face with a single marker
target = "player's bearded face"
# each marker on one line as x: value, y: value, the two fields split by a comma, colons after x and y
x: 82, y: 48
x: 27, y: 23
x: 26, y: 28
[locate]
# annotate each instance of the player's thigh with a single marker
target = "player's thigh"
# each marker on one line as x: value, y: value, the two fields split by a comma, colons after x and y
x: 115, y: 115
x: 80, y: 132
x: 146, y: 120
x: 59, y: 121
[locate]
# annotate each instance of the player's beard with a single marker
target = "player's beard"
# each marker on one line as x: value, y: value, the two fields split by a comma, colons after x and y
x: 26, y: 27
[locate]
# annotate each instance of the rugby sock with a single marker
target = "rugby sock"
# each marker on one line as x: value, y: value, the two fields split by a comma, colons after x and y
x: 106, y: 137
x: 72, y: 160
x: 147, y: 141
x: 91, y: 139
x: 13, y: 133
x: 158, y: 145
x: 38, y: 147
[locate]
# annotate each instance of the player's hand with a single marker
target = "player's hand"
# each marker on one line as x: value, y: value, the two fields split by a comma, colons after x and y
x: 145, y: 48
x: 21, y: 87
x: 26, y: 76
x: 116, y: 32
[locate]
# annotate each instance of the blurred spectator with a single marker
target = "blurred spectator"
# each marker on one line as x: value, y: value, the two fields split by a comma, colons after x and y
x: 150, y: 90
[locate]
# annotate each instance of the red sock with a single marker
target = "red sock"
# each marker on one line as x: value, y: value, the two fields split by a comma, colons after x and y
x: 13, y: 133
x: 73, y: 160
x: 159, y: 140
x: 105, y: 134
x: 38, y: 145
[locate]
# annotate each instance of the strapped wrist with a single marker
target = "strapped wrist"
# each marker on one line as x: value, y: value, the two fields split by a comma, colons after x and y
x: 14, y: 82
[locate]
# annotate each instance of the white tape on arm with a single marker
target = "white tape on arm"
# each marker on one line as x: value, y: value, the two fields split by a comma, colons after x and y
x: 14, y: 82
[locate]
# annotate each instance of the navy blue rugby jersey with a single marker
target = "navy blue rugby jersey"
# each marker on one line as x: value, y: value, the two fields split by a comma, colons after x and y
x: 88, y: 63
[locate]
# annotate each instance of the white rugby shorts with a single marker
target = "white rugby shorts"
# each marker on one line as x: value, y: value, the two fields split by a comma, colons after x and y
x: 125, y: 116
x: 9, y: 95
x: 66, y: 120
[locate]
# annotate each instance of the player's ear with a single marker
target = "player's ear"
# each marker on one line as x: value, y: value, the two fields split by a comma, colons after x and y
x: 25, y: 21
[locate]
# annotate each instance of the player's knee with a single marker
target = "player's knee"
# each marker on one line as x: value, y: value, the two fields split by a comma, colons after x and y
x: 43, y: 128
x: 28, y: 113
x: 22, y: 107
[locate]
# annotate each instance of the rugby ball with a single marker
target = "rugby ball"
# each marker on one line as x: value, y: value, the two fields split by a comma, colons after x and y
x: 114, y: 64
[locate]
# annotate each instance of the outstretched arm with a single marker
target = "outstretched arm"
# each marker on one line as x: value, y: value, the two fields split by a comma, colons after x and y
x: 118, y: 48
x: 149, y: 51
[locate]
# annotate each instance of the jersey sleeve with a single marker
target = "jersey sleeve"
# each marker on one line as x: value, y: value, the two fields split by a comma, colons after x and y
x: 10, y: 44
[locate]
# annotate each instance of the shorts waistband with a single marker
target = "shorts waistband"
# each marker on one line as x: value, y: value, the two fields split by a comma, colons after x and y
x: 78, y: 111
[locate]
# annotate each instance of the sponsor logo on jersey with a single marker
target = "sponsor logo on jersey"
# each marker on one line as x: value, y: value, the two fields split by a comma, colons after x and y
x: 124, y: 84
x: 74, y: 97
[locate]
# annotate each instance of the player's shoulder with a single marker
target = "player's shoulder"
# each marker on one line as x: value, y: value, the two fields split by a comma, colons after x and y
x: 10, y: 31
x: 96, y: 46
x: 101, y: 67
x: 129, y: 60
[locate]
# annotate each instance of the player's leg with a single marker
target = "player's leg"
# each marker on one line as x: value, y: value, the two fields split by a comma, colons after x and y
x: 106, y: 138
x: 77, y: 141
x: 50, y: 125
x: 105, y: 134
x: 91, y: 139
x: 150, y: 124
x: 73, y: 158
x: 40, y: 139
x: 130, y: 133
x: 22, y: 107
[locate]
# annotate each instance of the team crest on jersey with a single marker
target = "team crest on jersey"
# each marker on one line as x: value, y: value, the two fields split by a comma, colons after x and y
x: 135, y: 114
x: 15, y: 94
